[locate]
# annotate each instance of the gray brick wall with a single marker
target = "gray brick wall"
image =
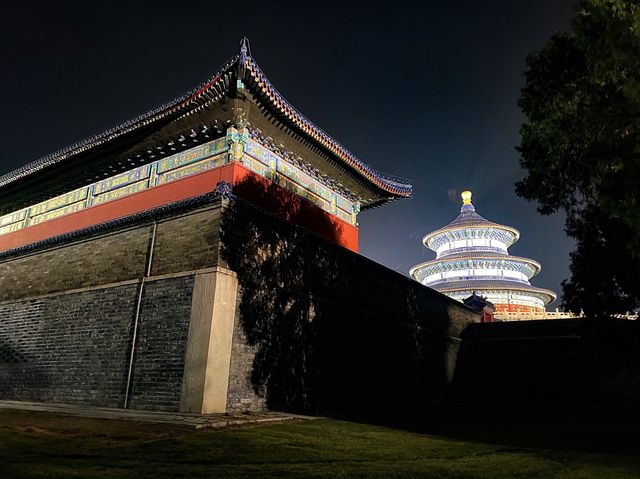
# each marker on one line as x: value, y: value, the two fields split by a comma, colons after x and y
x: 187, y: 243
x: 62, y: 345
x: 241, y: 396
x: 70, y: 348
x: 376, y: 339
x: 105, y: 259
x: 184, y: 243
x: 75, y: 348
x: 161, y: 345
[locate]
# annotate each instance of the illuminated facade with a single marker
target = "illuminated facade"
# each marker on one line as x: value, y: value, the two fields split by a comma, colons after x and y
x: 472, y: 256
x: 233, y: 128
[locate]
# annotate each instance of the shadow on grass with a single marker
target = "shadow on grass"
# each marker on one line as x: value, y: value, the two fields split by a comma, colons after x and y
x: 339, y: 335
x: 572, y: 428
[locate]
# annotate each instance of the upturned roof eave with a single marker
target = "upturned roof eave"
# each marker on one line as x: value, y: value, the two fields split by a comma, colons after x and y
x: 480, y: 286
x: 429, y: 237
x: 397, y: 187
x: 205, y: 92
x: 479, y: 256
x: 179, y: 105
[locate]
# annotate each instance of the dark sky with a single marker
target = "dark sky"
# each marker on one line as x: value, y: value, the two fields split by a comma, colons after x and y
x: 424, y: 90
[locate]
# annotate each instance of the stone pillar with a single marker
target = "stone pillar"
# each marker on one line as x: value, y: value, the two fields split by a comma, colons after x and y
x: 208, y: 356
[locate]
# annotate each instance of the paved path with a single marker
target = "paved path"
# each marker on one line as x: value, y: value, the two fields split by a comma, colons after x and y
x: 196, y: 421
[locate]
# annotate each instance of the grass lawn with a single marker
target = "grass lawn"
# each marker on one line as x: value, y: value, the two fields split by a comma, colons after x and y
x: 53, y: 446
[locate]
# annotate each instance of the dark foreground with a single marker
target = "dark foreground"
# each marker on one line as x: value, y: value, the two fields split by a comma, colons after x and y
x: 54, y: 446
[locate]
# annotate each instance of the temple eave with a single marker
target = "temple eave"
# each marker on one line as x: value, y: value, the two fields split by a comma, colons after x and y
x: 431, y: 237
x: 474, y: 257
x: 189, y: 111
x: 494, y: 286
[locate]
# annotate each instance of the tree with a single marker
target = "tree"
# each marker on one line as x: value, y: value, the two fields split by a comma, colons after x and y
x: 580, y: 147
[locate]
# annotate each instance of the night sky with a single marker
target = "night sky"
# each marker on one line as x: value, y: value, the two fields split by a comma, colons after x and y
x: 425, y: 92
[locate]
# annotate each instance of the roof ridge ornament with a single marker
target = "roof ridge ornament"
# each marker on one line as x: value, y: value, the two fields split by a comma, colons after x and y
x: 245, y: 54
x: 245, y: 48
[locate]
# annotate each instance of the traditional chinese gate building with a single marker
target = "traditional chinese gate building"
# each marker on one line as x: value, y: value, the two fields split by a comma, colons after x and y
x: 232, y: 126
x: 114, y: 288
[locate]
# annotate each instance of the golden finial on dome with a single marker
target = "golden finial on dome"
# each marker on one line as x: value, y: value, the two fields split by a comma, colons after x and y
x: 466, y: 197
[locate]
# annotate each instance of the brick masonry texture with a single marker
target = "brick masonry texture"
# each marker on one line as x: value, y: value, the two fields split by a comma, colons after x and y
x: 106, y: 259
x: 184, y: 243
x: 376, y: 338
x: 241, y: 396
x: 373, y: 338
x: 71, y: 348
x: 187, y: 243
x: 161, y: 344
x: 62, y: 345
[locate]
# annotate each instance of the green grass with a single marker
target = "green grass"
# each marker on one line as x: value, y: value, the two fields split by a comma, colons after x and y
x: 39, y: 445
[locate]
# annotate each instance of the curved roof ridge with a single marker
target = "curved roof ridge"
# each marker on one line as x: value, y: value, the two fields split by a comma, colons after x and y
x: 246, y: 65
x: 118, y: 130
x: 467, y: 216
x: 400, y: 186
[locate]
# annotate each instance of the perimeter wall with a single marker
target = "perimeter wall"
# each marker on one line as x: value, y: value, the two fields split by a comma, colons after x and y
x: 550, y: 362
x: 67, y: 314
x: 240, y: 310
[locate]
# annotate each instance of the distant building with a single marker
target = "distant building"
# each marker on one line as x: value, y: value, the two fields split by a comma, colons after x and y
x: 472, y: 257
x: 480, y: 303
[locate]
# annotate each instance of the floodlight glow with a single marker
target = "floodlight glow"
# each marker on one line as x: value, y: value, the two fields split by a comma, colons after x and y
x: 472, y: 256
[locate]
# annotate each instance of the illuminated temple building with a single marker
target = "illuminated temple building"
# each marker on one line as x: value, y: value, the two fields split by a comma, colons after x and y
x: 472, y: 256
x: 233, y: 126
x: 132, y: 263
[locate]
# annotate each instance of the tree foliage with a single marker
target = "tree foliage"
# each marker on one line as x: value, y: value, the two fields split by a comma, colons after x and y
x: 580, y: 147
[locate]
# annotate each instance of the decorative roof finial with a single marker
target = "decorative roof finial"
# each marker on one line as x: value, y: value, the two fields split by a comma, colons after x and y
x: 466, y: 197
x: 245, y: 52
x: 245, y: 49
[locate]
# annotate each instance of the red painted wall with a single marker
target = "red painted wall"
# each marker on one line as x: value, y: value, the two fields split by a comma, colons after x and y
x: 281, y: 202
x: 290, y: 206
x: 487, y: 316
x: 516, y: 308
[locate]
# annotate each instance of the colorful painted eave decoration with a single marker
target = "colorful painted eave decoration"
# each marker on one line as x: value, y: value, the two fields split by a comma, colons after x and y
x: 210, y: 90
x: 480, y: 230
x: 395, y: 186
x: 513, y: 263
x: 483, y: 286
x: 233, y: 147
